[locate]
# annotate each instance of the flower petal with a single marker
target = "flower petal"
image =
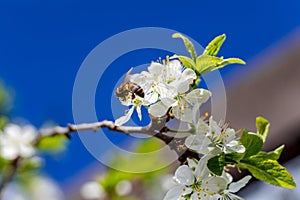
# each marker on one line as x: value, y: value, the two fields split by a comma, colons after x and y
x: 150, y: 98
x: 198, y: 143
x: 198, y: 96
x: 191, y: 163
x: 9, y: 152
x: 234, y: 146
x: 26, y: 151
x: 201, y: 170
x: 176, y: 193
x: 201, y: 196
x: 156, y: 68
x: 202, y: 127
x: 214, y: 184
x: 158, y: 109
x: 29, y: 133
x: 122, y: 120
x: 139, y: 112
x: 233, y: 196
x: 214, y: 127
x: 13, y: 131
x: 184, y: 175
x: 183, y: 113
x: 236, y: 186
x: 188, y: 75
x: 168, y: 101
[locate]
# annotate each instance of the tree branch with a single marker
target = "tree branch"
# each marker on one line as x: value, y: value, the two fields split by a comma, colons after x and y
x: 8, y: 174
x: 152, y: 129
x: 156, y: 128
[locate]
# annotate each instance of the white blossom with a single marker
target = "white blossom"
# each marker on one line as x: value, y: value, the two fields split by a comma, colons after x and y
x: 198, y: 183
x: 17, y: 141
x: 233, y: 188
x: 92, y: 191
x: 166, y: 85
x: 137, y: 102
x: 199, y: 141
x: 224, y: 138
x: 174, y: 88
x: 123, y: 188
x: 210, y: 137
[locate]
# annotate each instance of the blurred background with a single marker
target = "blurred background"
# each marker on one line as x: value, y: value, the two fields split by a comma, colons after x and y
x: 43, y: 44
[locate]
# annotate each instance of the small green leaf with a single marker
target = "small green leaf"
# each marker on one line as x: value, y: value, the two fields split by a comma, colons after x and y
x: 186, y: 61
x: 29, y: 164
x: 214, y: 46
x: 228, y: 61
x: 3, y: 122
x: 252, y: 142
x: 206, y: 63
x: 216, y: 164
x: 188, y: 45
x: 262, y: 127
x: 233, y: 157
x: 53, y: 144
x: 3, y: 163
x: 268, y: 170
x: 273, y: 155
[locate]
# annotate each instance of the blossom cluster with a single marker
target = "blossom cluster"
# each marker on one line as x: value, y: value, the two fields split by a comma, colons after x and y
x: 166, y: 85
x: 195, y: 182
x: 170, y: 89
x: 17, y: 141
x: 213, y: 138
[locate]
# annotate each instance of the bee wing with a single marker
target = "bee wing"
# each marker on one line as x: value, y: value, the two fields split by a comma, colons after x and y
x: 127, y: 77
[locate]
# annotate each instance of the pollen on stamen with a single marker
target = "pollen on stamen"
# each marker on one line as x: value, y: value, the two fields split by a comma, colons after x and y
x: 204, y: 116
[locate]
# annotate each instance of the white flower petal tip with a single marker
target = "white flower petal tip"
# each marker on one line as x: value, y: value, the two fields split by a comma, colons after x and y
x: 122, y: 120
x: 236, y: 186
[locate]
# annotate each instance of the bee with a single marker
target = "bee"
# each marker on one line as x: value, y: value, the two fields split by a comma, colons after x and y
x: 129, y: 89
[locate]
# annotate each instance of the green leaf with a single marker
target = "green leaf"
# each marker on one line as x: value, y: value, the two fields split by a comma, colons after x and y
x: 262, y: 127
x: 216, y: 164
x: 273, y: 155
x: 233, y: 157
x: 206, y: 63
x: 186, y: 61
x: 252, y: 142
x: 5, y: 100
x: 3, y: 122
x: 3, y: 163
x: 30, y: 164
x: 188, y: 45
x: 229, y: 61
x: 53, y: 144
x: 268, y: 170
x: 214, y: 46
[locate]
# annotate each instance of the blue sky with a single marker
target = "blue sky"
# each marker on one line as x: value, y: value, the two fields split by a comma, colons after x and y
x: 43, y: 43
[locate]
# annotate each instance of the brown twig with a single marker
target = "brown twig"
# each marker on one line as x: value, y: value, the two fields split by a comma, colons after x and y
x: 156, y: 129
x: 8, y: 174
